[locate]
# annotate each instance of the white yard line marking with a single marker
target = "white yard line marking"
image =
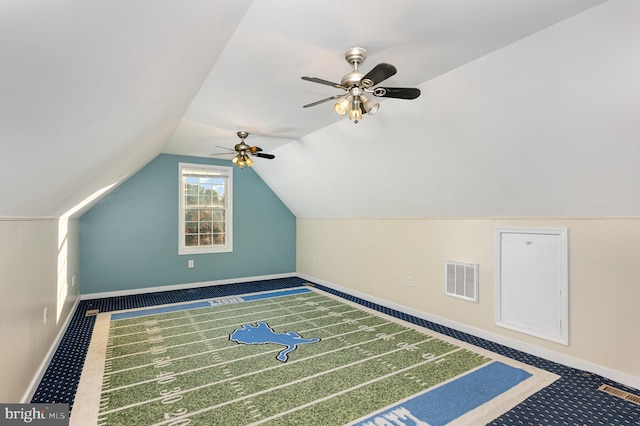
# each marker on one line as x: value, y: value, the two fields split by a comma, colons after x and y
x: 345, y: 391
x: 186, y: 391
x: 394, y: 373
x: 219, y: 364
x: 158, y: 329
x: 223, y: 336
x: 153, y: 323
x: 226, y: 337
x: 236, y: 307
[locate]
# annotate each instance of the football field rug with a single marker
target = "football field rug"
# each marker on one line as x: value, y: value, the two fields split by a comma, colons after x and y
x: 288, y: 357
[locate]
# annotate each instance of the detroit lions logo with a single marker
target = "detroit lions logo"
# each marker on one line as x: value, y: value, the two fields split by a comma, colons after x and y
x: 261, y: 334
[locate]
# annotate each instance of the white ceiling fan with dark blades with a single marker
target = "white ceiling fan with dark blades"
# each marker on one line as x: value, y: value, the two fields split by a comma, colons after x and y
x: 356, y: 83
x: 242, y: 152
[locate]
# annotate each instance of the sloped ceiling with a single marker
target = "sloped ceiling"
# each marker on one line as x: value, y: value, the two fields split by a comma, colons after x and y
x: 90, y: 91
x: 528, y: 107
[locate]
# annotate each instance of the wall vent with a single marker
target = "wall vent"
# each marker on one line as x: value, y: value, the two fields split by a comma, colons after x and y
x: 461, y: 280
x: 627, y: 396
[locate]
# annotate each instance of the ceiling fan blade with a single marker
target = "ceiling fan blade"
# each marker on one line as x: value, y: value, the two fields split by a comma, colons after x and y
x: 263, y: 155
x: 324, y: 100
x: 321, y: 81
x: 224, y: 147
x: 378, y: 74
x: 397, y: 92
x: 222, y: 153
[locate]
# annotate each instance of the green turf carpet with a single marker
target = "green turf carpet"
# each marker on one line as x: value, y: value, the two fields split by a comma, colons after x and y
x: 288, y: 357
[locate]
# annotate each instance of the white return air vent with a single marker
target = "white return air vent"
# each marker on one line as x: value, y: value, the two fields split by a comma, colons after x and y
x: 461, y: 280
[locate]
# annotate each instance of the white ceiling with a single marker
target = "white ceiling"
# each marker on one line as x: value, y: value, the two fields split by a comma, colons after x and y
x: 92, y: 91
x: 256, y: 84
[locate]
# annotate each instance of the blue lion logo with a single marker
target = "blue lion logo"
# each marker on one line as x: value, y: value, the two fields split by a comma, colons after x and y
x: 261, y: 334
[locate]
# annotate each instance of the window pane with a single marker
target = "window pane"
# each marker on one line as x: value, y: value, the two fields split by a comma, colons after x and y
x: 191, y: 188
x: 219, y: 239
x: 192, y: 200
x: 218, y: 227
x: 190, y: 227
x: 206, y: 200
x: 205, y: 239
x: 190, y: 215
x: 191, y: 240
x: 205, y: 215
x: 218, y: 201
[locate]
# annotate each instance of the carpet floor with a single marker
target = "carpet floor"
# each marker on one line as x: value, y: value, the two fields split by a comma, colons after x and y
x: 574, y: 399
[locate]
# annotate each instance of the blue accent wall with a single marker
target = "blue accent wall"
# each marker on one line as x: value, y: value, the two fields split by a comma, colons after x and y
x: 129, y: 240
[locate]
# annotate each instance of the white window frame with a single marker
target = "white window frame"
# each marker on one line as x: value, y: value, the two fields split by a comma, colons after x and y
x: 214, y: 171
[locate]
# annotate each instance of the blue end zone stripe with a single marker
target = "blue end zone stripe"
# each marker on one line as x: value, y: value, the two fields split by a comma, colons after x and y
x: 454, y: 399
x: 206, y: 304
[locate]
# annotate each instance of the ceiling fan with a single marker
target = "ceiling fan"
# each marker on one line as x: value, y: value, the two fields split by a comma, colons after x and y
x: 242, y: 152
x: 356, y: 84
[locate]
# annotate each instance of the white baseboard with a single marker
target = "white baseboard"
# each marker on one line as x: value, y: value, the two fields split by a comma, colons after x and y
x: 185, y: 286
x: 625, y: 379
x: 35, y: 382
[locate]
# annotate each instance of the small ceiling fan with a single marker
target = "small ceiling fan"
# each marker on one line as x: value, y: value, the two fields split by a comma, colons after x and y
x: 242, y: 152
x: 356, y: 84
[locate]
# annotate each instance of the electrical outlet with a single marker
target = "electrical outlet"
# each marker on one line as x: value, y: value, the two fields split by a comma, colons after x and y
x: 190, y: 263
x: 46, y: 315
x: 73, y: 281
x: 409, y: 281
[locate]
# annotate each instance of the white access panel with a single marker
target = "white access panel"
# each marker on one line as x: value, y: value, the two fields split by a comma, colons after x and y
x: 531, y: 294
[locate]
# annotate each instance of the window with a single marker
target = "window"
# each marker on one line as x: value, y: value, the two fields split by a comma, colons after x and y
x: 205, y: 209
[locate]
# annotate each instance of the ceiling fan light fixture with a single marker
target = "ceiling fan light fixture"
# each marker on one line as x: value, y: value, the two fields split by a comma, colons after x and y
x: 355, y: 114
x: 243, y: 160
x: 370, y: 106
x: 343, y: 106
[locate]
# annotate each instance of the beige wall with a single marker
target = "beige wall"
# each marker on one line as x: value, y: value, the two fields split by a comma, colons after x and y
x: 374, y: 257
x: 38, y: 259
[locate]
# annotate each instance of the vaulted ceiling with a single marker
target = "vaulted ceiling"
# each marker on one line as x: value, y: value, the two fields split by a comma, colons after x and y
x: 528, y: 107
